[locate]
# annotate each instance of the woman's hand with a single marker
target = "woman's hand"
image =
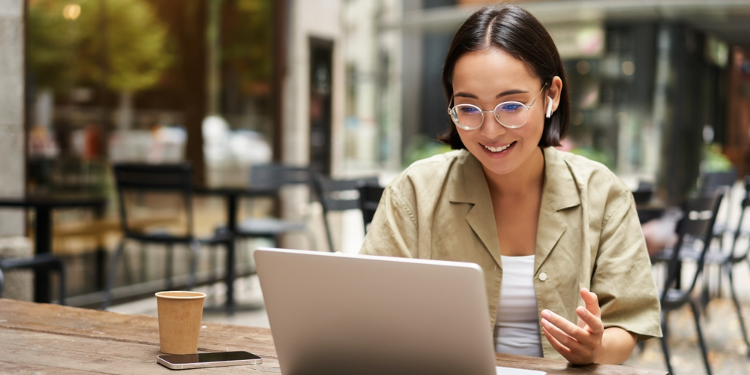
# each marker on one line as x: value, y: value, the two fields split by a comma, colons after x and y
x: 579, y: 344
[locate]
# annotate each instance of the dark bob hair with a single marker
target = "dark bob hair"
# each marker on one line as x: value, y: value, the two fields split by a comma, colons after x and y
x: 520, y: 34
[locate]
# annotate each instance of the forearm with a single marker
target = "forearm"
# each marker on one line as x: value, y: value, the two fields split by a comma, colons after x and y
x: 617, y: 345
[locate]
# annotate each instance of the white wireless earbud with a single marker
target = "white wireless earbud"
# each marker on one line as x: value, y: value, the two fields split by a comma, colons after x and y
x: 549, y: 107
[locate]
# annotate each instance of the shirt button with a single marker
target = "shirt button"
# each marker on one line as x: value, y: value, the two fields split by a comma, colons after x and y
x: 543, y: 276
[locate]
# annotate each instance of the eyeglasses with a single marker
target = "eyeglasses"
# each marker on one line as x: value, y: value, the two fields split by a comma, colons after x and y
x: 508, y: 114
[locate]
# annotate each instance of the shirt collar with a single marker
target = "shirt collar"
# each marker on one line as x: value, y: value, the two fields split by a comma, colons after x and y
x: 468, y: 184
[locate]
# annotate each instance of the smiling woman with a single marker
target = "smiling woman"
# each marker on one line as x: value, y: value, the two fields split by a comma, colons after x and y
x: 557, y: 235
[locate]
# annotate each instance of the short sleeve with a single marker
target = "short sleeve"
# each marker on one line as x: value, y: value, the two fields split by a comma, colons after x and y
x: 393, y: 231
x: 622, y: 276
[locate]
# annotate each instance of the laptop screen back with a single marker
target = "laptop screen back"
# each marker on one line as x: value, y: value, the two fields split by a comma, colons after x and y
x: 347, y: 314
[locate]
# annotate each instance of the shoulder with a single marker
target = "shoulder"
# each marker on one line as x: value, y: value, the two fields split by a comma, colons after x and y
x: 595, y: 180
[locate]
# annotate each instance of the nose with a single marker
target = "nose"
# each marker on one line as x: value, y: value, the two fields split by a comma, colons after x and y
x: 491, y: 128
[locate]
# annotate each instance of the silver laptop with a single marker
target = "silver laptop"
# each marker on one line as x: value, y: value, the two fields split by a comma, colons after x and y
x: 356, y: 314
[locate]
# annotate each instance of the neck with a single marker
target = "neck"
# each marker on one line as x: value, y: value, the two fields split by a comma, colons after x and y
x: 527, y: 178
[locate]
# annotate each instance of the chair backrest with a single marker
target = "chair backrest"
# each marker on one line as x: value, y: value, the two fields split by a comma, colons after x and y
x: 699, y: 217
x: 644, y: 193
x: 275, y: 176
x: 140, y: 179
x: 369, y: 198
x: 723, y: 182
x: 338, y: 195
x: 711, y: 181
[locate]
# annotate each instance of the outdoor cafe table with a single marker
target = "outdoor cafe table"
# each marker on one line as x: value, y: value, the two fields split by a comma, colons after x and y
x: 43, y: 206
x: 232, y: 197
x: 42, y: 338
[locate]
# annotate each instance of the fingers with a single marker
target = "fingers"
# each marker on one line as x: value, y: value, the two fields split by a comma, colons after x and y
x: 594, y: 323
x: 569, y: 355
x: 582, y: 341
x: 562, y: 349
x: 563, y: 324
x: 562, y: 337
x: 591, y: 301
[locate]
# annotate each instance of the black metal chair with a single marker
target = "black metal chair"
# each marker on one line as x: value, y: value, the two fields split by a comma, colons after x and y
x: 697, y: 223
x: 728, y: 260
x: 369, y: 198
x: 723, y: 182
x: 338, y: 195
x: 40, y: 262
x: 274, y: 176
x: 711, y: 182
x: 644, y: 193
x: 139, y: 180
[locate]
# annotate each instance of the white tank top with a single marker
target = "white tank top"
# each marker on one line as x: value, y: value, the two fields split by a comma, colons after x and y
x: 517, y: 322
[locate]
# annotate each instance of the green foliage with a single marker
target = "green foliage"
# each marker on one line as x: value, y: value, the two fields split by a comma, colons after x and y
x: 134, y: 43
x: 52, y: 42
x: 714, y: 160
x: 247, y: 39
x: 593, y: 154
x: 128, y: 36
x: 420, y: 147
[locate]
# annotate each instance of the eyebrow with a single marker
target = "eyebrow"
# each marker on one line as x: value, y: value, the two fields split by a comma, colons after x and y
x: 500, y: 95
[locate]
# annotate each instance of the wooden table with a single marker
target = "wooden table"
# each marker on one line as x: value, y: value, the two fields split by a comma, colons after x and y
x: 65, y: 340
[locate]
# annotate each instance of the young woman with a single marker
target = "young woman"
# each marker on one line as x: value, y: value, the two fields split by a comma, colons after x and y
x: 557, y: 235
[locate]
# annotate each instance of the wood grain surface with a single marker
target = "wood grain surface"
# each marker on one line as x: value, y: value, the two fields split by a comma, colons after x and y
x: 52, y: 339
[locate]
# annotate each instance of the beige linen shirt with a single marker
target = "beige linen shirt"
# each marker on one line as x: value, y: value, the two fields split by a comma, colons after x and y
x: 588, y: 235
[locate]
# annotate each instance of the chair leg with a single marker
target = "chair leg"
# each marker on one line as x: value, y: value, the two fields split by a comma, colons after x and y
x: 705, y: 296
x: 2, y: 283
x: 195, y: 247
x: 111, y: 276
x: 144, y: 262
x: 701, y: 342
x: 214, y: 271
x: 737, y: 306
x: 664, y: 346
x: 168, y: 267
x: 129, y: 272
x: 328, y: 233
x: 62, y: 277
x: 718, y: 282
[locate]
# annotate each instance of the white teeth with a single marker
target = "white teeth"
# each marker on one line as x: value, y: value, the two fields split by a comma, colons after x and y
x: 498, y: 149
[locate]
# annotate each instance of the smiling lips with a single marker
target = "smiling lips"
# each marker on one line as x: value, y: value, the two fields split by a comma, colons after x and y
x: 499, y: 149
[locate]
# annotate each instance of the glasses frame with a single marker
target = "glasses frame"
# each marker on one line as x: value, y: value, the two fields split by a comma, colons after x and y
x: 494, y: 111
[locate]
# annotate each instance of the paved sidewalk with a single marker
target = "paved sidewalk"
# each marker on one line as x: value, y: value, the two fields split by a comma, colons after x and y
x: 727, y: 351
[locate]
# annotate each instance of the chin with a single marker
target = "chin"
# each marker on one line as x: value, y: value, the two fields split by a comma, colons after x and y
x: 501, y: 170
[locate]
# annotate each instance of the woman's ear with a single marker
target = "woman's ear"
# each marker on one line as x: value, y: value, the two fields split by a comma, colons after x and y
x: 554, y: 93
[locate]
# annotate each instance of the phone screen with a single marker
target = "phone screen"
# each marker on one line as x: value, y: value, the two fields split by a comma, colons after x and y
x: 179, y: 359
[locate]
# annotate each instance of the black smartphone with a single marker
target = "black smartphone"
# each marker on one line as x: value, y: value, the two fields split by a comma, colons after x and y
x: 214, y: 359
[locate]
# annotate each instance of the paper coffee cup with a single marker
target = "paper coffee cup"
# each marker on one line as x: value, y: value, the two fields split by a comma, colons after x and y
x: 180, y: 316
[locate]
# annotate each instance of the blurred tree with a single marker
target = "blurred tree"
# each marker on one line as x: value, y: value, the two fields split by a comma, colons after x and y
x: 52, y: 41
x: 249, y: 20
x: 124, y: 45
x: 62, y: 44
x: 120, y: 44
x: 420, y: 147
x: 134, y: 41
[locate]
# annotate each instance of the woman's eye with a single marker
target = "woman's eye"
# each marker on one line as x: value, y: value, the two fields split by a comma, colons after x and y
x: 468, y: 110
x: 510, y: 107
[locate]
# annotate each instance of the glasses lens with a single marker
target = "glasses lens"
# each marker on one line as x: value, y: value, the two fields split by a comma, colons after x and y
x: 512, y: 114
x: 467, y: 116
